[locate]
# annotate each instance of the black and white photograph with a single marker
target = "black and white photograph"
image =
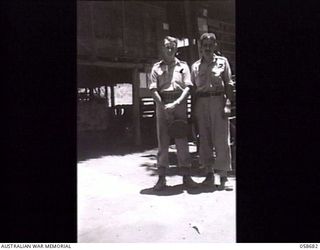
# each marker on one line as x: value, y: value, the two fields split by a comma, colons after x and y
x: 160, y: 122
x: 156, y: 121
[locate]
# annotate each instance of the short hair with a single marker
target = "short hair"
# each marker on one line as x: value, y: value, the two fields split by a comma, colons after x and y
x: 171, y: 39
x: 210, y: 36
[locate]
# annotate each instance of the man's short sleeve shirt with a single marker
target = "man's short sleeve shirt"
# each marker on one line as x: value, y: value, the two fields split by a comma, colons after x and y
x: 211, y: 76
x: 174, y: 77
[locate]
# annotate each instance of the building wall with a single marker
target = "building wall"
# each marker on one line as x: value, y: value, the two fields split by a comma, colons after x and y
x: 119, y: 30
x: 218, y: 17
x: 118, y: 36
x: 129, y: 31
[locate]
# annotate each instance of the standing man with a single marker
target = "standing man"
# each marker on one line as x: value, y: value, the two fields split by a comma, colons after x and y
x: 211, y: 76
x: 170, y: 85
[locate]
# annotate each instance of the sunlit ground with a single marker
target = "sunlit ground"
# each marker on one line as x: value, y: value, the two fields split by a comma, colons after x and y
x: 113, y: 207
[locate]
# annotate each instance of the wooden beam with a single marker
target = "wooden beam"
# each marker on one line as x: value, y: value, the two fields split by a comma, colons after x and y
x: 136, y: 107
x: 123, y: 65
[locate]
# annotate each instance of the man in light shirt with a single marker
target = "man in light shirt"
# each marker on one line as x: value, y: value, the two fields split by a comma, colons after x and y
x: 170, y: 85
x: 211, y: 76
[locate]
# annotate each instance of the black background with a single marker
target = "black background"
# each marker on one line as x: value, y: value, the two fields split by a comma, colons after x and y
x: 277, y: 121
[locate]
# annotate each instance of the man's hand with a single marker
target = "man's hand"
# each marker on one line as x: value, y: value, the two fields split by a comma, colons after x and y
x: 170, y: 106
x: 227, y: 108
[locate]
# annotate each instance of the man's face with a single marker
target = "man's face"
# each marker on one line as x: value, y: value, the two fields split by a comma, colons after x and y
x: 169, y: 50
x: 207, y: 47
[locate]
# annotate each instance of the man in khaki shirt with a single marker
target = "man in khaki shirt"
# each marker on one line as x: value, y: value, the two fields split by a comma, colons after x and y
x: 170, y: 85
x: 211, y: 76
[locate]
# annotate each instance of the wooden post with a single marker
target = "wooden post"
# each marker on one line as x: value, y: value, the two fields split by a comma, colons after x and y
x: 124, y: 27
x: 112, y: 95
x: 106, y: 94
x: 136, y: 107
x: 93, y: 56
x: 189, y: 17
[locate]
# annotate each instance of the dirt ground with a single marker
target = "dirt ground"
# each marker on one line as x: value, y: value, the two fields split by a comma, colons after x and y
x: 116, y: 204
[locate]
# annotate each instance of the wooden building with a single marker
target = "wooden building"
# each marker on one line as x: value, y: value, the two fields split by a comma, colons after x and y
x: 118, y: 42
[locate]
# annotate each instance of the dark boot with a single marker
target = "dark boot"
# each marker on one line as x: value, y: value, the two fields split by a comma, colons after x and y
x: 221, y: 187
x: 161, y: 183
x: 188, y: 182
x: 209, y: 179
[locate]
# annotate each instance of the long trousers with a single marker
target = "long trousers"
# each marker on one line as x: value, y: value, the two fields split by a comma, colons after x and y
x: 214, y: 133
x: 164, y: 118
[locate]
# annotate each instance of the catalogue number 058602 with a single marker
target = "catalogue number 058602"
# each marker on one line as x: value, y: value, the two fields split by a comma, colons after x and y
x: 308, y: 245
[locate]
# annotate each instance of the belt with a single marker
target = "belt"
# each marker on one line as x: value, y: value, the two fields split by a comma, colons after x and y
x: 170, y: 95
x: 207, y: 94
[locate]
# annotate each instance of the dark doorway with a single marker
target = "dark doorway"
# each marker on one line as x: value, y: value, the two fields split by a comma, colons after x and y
x: 105, y: 110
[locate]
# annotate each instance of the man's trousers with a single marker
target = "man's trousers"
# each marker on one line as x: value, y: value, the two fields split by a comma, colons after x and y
x: 164, y: 118
x: 214, y: 134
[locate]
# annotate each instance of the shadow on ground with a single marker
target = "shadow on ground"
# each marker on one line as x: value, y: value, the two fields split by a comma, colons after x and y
x: 101, y: 143
x: 151, y: 167
x: 179, y: 189
x: 172, y: 171
x: 94, y: 144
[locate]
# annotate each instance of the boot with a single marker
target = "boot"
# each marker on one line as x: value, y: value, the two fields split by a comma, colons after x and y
x: 161, y: 183
x: 188, y: 182
x: 209, y: 179
x: 221, y: 187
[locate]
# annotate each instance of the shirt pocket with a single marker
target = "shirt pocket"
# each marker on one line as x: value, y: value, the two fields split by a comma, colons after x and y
x: 201, y: 77
x: 217, y: 70
x: 177, y: 76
